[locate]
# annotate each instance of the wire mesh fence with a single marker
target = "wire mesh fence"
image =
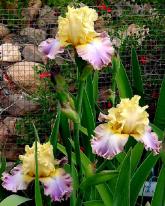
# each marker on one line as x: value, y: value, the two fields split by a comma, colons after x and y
x: 23, y: 99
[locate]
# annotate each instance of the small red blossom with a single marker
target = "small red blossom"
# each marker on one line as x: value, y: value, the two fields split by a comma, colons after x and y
x: 9, y: 81
x: 44, y: 75
x: 109, y: 105
x: 102, y: 7
x: 109, y: 10
x: 6, y: 77
x: 143, y: 59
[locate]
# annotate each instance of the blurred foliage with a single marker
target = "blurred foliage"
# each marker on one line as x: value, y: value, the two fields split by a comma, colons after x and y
x: 13, y: 4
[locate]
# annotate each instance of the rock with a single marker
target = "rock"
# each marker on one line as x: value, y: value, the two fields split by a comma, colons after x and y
x: 18, y: 105
x: 7, y: 128
x: 9, y: 53
x: 10, y: 123
x: 148, y: 8
x: 3, y: 30
x: 23, y: 74
x: 31, y: 53
x: 52, y: 32
x: 47, y: 16
x: 33, y: 8
x: 33, y: 35
x: 100, y: 25
x: 3, y: 132
x: 10, y: 38
x: 116, y: 42
x: 12, y: 154
x: 133, y: 29
x: 16, y: 40
x: 136, y: 8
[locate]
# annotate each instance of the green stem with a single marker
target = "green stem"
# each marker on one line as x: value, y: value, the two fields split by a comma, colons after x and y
x: 113, y: 95
x: 76, y: 139
x: 102, y: 166
x: 54, y: 135
x: 77, y: 128
x: 38, y: 197
x: 105, y: 194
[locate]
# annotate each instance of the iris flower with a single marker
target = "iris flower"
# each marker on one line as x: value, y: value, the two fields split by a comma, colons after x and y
x: 57, y: 183
x: 77, y: 29
x: 127, y: 119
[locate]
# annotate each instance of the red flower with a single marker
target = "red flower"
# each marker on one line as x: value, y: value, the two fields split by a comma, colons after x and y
x: 109, y: 10
x: 44, y: 75
x: 109, y: 105
x: 102, y: 7
x: 143, y: 60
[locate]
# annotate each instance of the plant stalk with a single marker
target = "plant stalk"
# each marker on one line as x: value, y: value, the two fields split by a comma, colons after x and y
x: 77, y: 129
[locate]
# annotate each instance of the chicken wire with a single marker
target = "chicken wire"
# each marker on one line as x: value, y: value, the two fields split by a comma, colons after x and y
x: 126, y: 27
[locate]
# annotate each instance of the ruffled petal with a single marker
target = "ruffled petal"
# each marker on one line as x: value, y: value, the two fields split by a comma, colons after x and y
x: 98, y: 52
x: 58, y: 186
x: 150, y: 141
x: 103, y: 117
x: 107, y: 144
x: 14, y: 181
x: 50, y: 48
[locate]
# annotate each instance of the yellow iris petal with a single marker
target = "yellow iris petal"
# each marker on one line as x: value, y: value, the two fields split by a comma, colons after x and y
x: 128, y: 117
x: 46, y: 160
x: 77, y: 27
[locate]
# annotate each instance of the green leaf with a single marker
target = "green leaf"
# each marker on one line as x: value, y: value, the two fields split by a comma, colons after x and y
x: 123, y: 83
x: 98, y: 178
x: 93, y: 203
x: 136, y: 76
x: 159, y: 195
x: 36, y: 132
x: 74, y: 175
x: 2, y: 165
x: 158, y: 131
x: 105, y: 194
x: 14, y: 200
x: 122, y: 191
x: 159, y: 119
x: 84, y: 130
x: 160, y: 134
x: 65, y: 135
x: 87, y: 109
x: 38, y: 197
x: 120, y: 157
x: 95, y: 85
x: 137, y: 152
x: 115, y: 65
x: 86, y: 163
x: 55, y: 131
x: 89, y: 122
x: 141, y: 175
x: 89, y: 90
x: 88, y: 170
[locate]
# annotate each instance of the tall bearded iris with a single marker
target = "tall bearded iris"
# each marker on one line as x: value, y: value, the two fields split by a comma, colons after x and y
x: 57, y: 183
x: 127, y: 119
x: 77, y: 29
